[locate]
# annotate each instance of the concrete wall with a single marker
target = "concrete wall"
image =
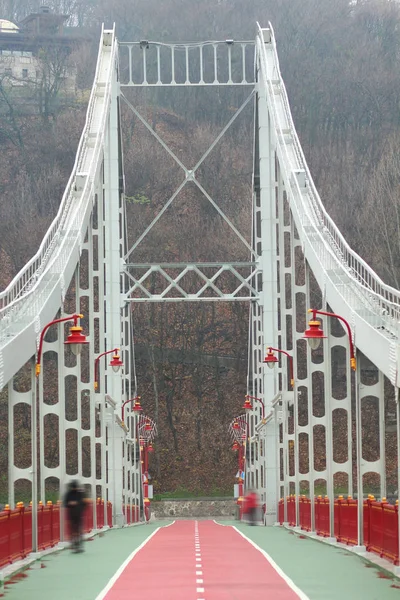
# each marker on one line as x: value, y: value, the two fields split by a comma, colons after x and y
x: 186, y: 509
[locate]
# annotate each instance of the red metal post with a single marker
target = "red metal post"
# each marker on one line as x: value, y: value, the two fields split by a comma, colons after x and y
x: 146, y: 500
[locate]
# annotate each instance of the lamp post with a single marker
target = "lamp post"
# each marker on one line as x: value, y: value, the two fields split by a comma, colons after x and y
x: 238, y: 447
x: 136, y: 408
x: 271, y: 360
x: 116, y: 363
x: 239, y: 431
x: 146, y: 433
x: 75, y: 340
x: 247, y: 406
x: 314, y: 334
x: 147, y: 429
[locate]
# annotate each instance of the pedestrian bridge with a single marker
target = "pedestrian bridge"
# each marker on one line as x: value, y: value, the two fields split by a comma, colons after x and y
x: 203, y: 560
x: 316, y: 310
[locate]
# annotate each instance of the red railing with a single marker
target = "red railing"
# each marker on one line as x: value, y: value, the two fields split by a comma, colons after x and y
x: 305, y: 513
x: 322, y: 516
x: 100, y: 513
x: 16, y: 528
x: 348, y: 522
x: 131, y: 512
x: 383, y: 534
x: 291, y: 510
x: 16, y: 531
x: 380, y: 522
x: 88, y: 518
x: 281, y: 511
x: 109, y: 514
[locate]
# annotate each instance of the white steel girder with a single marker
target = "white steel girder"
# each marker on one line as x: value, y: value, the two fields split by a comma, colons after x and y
x: 77, y: 269
x: 173, y: 287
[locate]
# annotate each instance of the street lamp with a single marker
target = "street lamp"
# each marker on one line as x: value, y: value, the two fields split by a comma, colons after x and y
x: 137, y: 408
x: 314, y: 334
x: 270, y: 360
x: 75, y: 340
x: 116, y: 363
x: 247, y: 406
x: 145, y: 432
x: 239, y: 429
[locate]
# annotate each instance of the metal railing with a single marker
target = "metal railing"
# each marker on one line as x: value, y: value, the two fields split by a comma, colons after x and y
x: 225, y: 62
x: 66, y: 229
x: 334, y: 252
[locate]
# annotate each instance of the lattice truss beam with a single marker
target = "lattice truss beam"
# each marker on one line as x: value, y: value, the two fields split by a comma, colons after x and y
x: 232, y: 281
x: 76, y: 424
x: 198, y: 281
x: 315, y: 430
x: 76, y: 270
x: 318, y: 448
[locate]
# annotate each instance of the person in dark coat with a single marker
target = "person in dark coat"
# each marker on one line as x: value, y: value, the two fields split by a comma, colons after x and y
x: 75, y: 502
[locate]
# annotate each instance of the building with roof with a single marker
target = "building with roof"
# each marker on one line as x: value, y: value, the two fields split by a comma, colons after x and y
x: 27, y: 49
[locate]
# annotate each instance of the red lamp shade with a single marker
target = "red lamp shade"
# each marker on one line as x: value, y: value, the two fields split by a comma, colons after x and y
x: 150, y: 448
x: 314, y: 334
x: 235, y: 425
x: 247, y: 404
x: 148, y: 427
x: 235, y: 447
x: 76, y: 339
x: 270, y: 359
x: 116, y: 362
x: 137, y: 406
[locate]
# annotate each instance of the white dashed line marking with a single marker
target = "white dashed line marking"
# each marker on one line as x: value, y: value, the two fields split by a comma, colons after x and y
x: 199, y: 590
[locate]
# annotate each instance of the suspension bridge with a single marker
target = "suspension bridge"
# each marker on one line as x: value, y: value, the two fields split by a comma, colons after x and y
x: 315, y: 307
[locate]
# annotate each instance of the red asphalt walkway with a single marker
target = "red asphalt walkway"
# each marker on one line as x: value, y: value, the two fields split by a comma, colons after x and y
x: 192, y: 560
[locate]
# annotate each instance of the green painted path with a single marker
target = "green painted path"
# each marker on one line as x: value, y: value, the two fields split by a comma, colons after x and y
x: 69, y: 576
x: 322, y: 572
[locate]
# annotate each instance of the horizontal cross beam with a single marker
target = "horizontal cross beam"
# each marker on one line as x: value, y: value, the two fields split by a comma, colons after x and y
x: 177, y: 282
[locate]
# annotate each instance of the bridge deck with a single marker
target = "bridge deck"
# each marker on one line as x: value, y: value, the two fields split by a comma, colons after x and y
x: 230, y: 567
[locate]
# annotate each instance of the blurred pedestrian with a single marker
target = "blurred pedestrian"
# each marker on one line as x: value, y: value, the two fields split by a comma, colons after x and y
x: 252, y: 505
x: 75, y: 503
